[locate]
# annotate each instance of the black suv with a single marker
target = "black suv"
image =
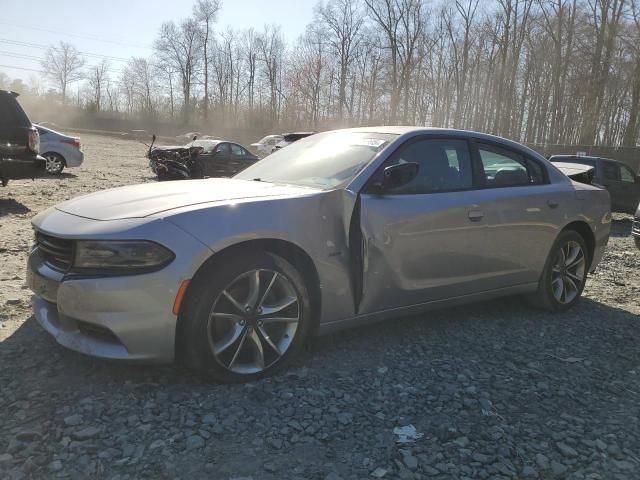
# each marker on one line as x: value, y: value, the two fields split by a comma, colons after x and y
x: 19, y: 142
x: 621, y: 181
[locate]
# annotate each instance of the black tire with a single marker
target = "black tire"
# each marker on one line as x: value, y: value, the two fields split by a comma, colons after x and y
x: 195, y: 347
x: 55, y: 163
x: 545, y: 298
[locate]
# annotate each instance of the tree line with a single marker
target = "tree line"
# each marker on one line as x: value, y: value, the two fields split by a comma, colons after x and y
x: 539, y: 71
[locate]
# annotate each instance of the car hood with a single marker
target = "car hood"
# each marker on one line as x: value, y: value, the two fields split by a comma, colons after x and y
x: 138, y: 201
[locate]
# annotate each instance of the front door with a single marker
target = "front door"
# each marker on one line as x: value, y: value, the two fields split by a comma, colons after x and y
x: 426, y: 240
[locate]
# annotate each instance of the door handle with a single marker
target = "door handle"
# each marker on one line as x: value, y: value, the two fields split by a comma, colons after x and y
x: 475, y: 215
x: 552, y: 203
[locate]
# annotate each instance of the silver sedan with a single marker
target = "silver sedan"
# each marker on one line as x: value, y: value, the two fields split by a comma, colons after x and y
x: 231, y: 276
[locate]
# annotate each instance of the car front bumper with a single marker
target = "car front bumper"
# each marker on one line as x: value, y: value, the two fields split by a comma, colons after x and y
x: 118, y: 318
x: 124, y: 317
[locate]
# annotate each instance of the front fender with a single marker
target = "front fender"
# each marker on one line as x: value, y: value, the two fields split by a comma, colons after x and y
x: 315, y: 223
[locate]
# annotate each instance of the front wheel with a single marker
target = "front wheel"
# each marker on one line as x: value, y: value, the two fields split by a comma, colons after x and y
x: 245, y: 317
x: 54, y: 163
x: 565, y: 273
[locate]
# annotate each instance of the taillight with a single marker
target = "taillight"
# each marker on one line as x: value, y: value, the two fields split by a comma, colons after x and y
x: 34, y: 141
x: 73, y: 141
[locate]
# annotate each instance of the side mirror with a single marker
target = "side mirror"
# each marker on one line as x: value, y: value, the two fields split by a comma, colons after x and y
x: 395, y: 176
x: 195, y: 137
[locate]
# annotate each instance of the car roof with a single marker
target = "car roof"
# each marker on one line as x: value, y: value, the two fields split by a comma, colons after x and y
x: 405, y: 130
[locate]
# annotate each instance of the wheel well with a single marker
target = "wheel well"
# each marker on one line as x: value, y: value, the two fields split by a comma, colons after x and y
x: 295, y: 255
x: 585, y: 232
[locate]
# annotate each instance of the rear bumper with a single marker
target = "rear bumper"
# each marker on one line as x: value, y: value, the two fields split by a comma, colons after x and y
x: 21, y: 168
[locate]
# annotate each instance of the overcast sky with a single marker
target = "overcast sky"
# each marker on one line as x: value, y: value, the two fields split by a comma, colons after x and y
x: 121, y: 28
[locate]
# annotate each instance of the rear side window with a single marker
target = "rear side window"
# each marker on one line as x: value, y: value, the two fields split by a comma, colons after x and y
x: 237, y: 150
x: 626, y: 175
x: 506, y: 168
x: 11, y: 113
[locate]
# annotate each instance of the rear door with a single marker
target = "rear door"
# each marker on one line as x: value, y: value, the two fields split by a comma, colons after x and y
x: 524, y: 209
x: 426, y: 240
x: 621, y: 183
x: 240, y: 158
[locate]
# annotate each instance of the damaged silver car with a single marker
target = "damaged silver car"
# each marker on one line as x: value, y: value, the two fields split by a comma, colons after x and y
x: 341, y: 228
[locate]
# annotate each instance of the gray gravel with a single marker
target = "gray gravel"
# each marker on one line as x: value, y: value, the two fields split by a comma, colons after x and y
x: 495, y: 390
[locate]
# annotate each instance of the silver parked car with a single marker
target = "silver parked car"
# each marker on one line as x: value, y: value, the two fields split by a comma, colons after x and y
x: 59, y: 150
x: 340, y: 228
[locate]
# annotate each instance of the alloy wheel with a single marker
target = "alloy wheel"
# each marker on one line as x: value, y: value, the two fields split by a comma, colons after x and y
x: 53, y: 163
x: 253, y: 321
x: 568, y: 272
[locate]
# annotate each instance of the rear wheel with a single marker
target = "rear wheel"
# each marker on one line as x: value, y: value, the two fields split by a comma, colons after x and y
x: 245, y: 317
x: 54, y: 163
x: 565, y: 273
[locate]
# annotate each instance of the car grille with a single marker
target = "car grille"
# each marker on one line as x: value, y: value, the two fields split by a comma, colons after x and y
x: 636, y: 226
x: 56, y: 252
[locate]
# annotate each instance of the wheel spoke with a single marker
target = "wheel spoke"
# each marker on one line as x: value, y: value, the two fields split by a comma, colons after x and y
x: 257, y: 347
x: 254, y: 288
x: 268, y: 289
x: 233, y: 301
x: 240, y: 345
x: 278, y: 307
x: 578, y: 261
x: 570, y: 283
x: 227, y: 316
x: 228, y: 340
x: 574, y: 277
x: 272, y: 320
x: 558, y: 289
x: 268, y: 340
x: 573, y: 252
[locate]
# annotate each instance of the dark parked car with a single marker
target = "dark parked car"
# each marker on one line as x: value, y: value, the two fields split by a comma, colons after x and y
x: 621, y: 181
x: 19, y: 141
x: 222, y: 159
x: 218, y: 158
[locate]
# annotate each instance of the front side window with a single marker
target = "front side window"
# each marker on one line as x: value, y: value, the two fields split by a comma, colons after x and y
x: 444, y: 165
x: 506, y: 168
x: 223, y: 148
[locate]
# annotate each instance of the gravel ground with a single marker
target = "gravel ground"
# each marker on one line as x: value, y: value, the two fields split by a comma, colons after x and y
x: 495, y: 390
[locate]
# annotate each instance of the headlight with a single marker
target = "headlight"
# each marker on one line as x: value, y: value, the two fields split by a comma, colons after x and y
x: 129, y: 255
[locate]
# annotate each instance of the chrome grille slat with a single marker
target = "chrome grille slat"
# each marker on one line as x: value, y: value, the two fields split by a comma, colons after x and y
x: 57, y: 252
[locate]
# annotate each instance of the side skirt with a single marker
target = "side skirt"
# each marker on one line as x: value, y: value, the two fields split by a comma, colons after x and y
x: 358, y: 320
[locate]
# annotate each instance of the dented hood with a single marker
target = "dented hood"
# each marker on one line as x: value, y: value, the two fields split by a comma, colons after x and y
x: 138, y: 201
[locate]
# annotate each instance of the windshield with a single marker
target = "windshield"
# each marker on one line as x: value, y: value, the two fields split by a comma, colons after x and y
x: 325, y: 160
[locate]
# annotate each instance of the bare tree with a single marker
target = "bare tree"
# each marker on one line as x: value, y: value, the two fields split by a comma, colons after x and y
x: 98, y: 76
x: 205, y: 12
x: 179, y: 48
x: 344, y: 20
x: 64, y: 65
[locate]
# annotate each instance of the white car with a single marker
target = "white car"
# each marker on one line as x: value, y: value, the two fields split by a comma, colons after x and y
x: 267, y: 144
x: 59, y: 150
